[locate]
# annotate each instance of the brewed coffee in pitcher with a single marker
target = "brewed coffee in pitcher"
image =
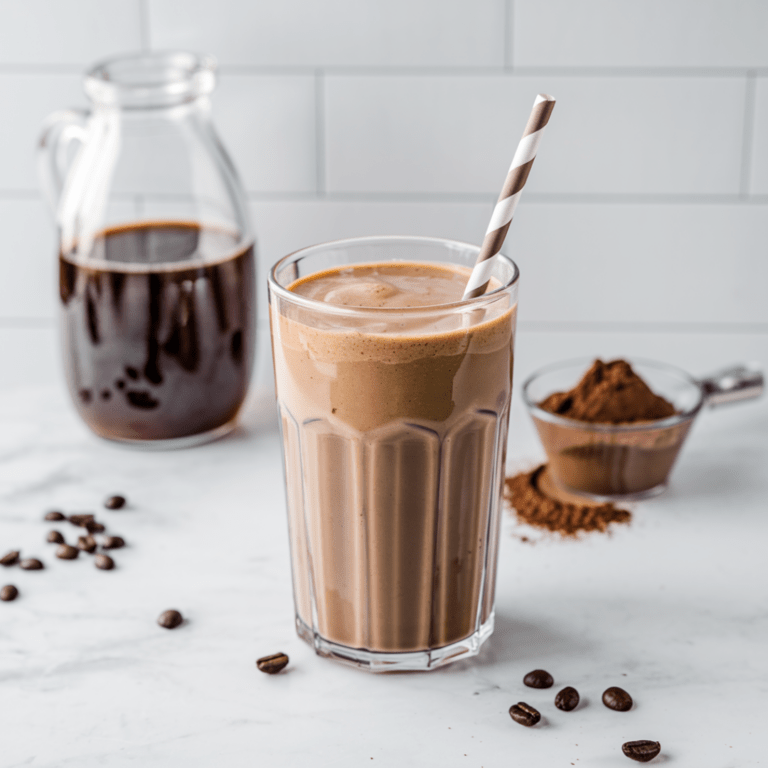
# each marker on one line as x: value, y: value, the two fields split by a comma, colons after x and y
x: 156, y: 260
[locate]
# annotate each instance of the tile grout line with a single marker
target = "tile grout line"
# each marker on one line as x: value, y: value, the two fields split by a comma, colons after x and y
x: 484, y: 198
x: 587, y: 326
x: 320, y: 132
x: 747, y: 137
x: 517, y: 71
x: 144, y: 25
x: 468, y: 198
x: 525, y: 326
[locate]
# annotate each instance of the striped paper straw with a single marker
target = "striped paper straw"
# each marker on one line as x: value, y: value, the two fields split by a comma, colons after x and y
x: 510, y: 194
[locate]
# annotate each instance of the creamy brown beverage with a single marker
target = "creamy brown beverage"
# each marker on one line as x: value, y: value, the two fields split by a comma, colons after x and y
x: 395, y: 428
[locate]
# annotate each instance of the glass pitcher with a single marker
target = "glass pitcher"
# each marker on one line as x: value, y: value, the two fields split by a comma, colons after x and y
x: 156, y: 254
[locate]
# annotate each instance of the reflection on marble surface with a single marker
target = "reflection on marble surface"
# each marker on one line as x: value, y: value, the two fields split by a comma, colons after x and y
x: 672, y: 608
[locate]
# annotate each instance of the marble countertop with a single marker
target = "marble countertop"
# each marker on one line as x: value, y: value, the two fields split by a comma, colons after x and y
x: 674, y: 607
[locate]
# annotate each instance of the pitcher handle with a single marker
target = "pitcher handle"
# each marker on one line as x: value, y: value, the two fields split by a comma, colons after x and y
x: 60, y: 129
x: 732, y: 385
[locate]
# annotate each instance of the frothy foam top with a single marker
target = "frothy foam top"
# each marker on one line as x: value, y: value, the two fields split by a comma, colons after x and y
x: 395, y: 285
x: 396, y: 337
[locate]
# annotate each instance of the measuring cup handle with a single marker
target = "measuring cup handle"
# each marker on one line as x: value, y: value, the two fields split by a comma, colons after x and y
x: 732, y: 385
x: 60, y: 129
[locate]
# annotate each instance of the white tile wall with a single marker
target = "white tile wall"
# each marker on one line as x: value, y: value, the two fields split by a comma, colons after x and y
x: 580, y: 263
x: 606, y: 135
x: 759, y: 181
x: 268, y: 125
x: 309, y: 33
x: 37, y: 355
x: 28, y: 255
x: 643, y: 263
x: 648, y: 202
x: 640, y: 33
x: 29, y: 98
x: 75, y: 32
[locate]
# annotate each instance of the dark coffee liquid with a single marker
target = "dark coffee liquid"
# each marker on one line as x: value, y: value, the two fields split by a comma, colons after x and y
x: 158, y: 330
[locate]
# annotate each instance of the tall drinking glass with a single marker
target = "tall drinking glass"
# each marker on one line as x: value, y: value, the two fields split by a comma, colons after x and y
x: 394, y: 423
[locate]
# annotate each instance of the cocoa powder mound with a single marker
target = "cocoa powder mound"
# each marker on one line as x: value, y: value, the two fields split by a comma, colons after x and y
x: 525, y: 493
x: 609, y: 393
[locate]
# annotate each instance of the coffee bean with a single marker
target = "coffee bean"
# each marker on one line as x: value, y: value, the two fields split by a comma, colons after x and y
x: 115, y: 502
x: 94, y: 527
x: 54, y: 517
x: 86, y: 543
x: 105, y: 562
x: 80, y: 520
x: 617, y: 699
x: 113, y: 542
x: 642, y: 751
x: 524, y: 714
x: 8, y: 593
x: 169, y: 619
x: 32, y: 564
x: 539, y: 678
x: 54, y: 537
x: 272, y: 664
x: 567, y: 699
x: 10, y: 558
x: 66, y: 552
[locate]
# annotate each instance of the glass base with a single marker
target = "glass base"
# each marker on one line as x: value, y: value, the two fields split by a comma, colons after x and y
x: 379, y: 661
x: 174, y: 443
x: 647, y: 493
x: 555, y: 489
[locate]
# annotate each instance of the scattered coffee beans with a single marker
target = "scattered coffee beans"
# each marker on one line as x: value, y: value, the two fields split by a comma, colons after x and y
x: 94, y: 527
x: 80, y: 520
x: 32, y: 564
x: 272, y: 664
x: 567, y: 699
x: 617, y: 699
x: 115, y: 502
x: 55, y: 516
x: 113, y: 542
x: 86, y: 543
x: 65, y: 552
x: 642, y: 751
x: 8, y: 593
x: 10, y: 558
x: 168, y: 619
x: 524, y: 714
x: 105, y: 562
x: 539, y: 678
x: 54, y: 537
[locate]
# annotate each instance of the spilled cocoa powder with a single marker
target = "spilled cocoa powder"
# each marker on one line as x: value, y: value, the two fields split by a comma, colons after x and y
x: 539, y: 503
x: 609, y: 393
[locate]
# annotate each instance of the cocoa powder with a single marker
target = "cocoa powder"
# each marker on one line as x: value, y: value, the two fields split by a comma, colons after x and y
x: 609, y: 393
x: 536, y: 503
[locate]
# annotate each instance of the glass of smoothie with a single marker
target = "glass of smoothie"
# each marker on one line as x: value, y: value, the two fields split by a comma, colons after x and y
x: 393, y: 395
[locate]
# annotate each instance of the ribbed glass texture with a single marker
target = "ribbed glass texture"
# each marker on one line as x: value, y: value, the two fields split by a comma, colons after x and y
x: 394, y: 454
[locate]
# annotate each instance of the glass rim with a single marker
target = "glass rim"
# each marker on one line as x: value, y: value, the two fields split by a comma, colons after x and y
x: 321, y: 306
x: 643, y: 426
x: 194, y: 75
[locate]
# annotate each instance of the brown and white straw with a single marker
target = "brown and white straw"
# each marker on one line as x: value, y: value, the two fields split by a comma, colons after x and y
x: 510, y: 194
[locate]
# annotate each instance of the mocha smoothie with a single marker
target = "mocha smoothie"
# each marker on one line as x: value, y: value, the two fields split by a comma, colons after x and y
x: 394, y: 425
